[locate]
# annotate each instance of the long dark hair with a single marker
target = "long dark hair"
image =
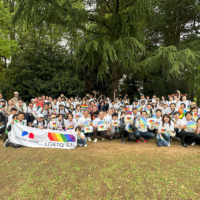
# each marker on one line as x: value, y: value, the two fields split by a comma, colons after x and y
x: 163, y: 121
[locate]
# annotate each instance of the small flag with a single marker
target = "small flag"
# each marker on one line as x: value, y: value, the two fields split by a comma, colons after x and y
x: 71, y: 127
x: 115, y: 90
x: 101, y: 122
x: 129, y: 128
x: 91, y: 123
x: 139, y: 107
x: 84, y: 106
x: 191, y: 125
x: 128, y: 112
x: 154, y: 117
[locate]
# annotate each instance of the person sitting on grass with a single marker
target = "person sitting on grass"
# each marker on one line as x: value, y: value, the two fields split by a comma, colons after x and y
x: 163, y: 136
x: 19, y: 120
x: 81, y: 140
x: 188, y: 133
x: 114, y: 127
x: 142, y: 128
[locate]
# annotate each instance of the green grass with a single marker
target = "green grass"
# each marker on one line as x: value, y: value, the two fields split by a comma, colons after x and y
x: 106, y: 170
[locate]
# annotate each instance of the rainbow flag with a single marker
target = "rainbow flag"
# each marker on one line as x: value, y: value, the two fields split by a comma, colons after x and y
x: 148, y: 112
x: 128, y: 112
x: 129, y: 128
x: 89, y: 108
x: 154, y: 117
x: 126, y: 95
x: 143, y: 122
x: 161, y: 137
x: 71, y: 107
x: 71, y: 127
x: 139, y: 107
x: 91, y: 123
x: 64, y: 116
x: 57, y: 137
x: 191, y: 124
x: 84, y: 106
x: 127, y: 109
x: 101, y: 122
x: 195, y: 115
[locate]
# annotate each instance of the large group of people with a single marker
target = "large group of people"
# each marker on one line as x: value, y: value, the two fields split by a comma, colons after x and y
x: 93, y: 118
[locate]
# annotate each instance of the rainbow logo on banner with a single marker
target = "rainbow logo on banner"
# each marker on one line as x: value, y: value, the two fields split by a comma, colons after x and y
x: 195, y: 115
x: 84, y: 106
x: 143, y: 122
x: 101, y: 122
x: 191, y: 125
x: 61, y: 137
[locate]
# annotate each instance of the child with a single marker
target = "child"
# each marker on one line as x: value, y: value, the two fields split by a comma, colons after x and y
x: 81, y: 140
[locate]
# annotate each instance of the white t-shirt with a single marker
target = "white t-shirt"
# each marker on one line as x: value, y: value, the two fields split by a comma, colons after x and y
x: 43, y: 123
x: 77, y: 114
x: 44, y: 112
x: 167, y: 126
x: 144, y: 129
x: 184, y: 122
x: 70, y: 123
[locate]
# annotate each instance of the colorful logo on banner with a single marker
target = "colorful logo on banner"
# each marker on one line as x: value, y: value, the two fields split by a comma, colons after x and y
x: 157, y: 124
x: 61, y: 137
x: 30, y: 135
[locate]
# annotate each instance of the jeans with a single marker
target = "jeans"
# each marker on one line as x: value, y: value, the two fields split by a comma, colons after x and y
x: 163, y: 142
x: 81, y: 142
x: 146, y: 135
x: 130, y: 135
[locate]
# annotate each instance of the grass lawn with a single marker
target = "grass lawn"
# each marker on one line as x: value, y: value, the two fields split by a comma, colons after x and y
x: 105, y: 170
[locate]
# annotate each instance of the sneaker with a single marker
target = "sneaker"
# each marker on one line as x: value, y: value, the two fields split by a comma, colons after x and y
x: 184, y: 145
x: 168, y: 145
x: 103, y: 138
x: 85, y: 145
x: 138, y: 141
x: 95, y: 140
x: 123, y: 141
x: 193, y: 143
x: 7, y: 143
x: 145, y: 141
x: 89, y: 139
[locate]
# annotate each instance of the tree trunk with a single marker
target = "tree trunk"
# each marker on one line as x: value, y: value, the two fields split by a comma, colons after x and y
x: 116, y: 76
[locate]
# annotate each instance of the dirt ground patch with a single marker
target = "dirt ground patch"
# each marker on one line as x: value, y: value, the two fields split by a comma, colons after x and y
x: 103, y: 170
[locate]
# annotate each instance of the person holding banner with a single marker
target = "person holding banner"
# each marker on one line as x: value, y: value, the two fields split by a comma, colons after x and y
x: 142, y: 128
x: 19, y: 120
x: 40, y: 122
x: 163, y: 136
x: 188, y: 130
x: 100, y: 127
x: 81, y: 140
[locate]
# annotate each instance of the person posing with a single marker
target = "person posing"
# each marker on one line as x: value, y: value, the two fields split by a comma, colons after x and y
x: 70, y: 122
x: 163, y: 136
x: 30, y: 113
x: 114, y: 127
x: 40, y: 122
x: 19, y: 120
x: 85, y: 119
x: 62, y: 110
x: 104, y: 133
x: 188, y: 133
x: 15, y: 98
x: 54, y: 127
x: 55, y: 107
x: 77, y: 113
x: 45, y: 111
x: 177, y: 122
x: 142, y: 129
x: 171, y: 110
x: 21, y: 106
x: 81, y: 140
x: 7, y: 110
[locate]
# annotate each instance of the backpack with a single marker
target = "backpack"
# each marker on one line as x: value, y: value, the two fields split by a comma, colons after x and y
x: 42, y: 122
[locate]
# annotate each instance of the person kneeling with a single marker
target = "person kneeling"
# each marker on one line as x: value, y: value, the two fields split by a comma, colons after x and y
x: 163, y: 136
x: 81, y: 140
x: 19, y: 120
x: 142, y: 128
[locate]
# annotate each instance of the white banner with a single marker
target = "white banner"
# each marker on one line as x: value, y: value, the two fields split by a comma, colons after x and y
x: 35, y: 137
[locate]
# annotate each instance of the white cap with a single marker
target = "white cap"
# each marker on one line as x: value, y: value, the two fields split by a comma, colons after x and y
x: 16, y: 92
x: 61, y: 104
x: 40, y: 115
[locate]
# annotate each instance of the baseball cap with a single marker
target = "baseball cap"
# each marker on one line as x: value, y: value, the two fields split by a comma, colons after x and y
x: 16, y: 92
x: 40, y: 115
